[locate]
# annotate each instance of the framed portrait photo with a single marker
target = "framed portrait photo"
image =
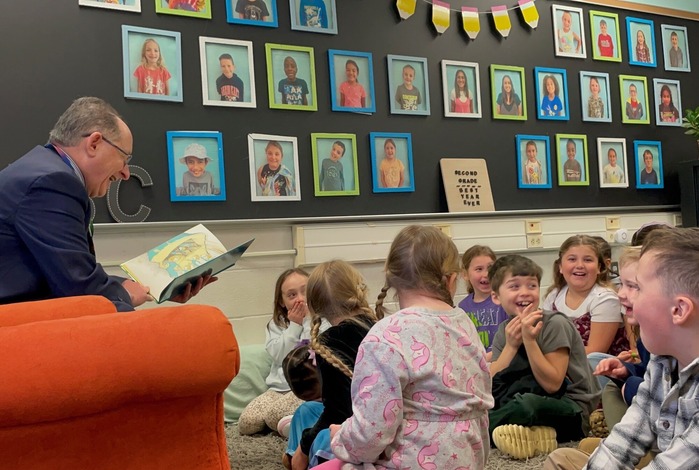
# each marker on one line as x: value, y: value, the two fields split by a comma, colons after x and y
x: 351, y: 81
x: 604, y: 29
x: 392, y: 162
x: 191, y: 8
x: 533, y: 161
x: 461, y: 89
x: 668, y: 102
x: 675, y: 48
x: 509, y: 93
x: 569, y: 31
x: 551, y: 93
x: 649, y: 164
x: 252, y: 12
x: 641, y: 38
x: 408, y: 85
x: 313, y: 16
x: 227, y: 73
x: 595, y: 97
x: 152, y: 61
x: 335, y: 164
x: 612, y: 161
x: 291, y: 77
x: 571, y: 151
x: 133, y: 6
x: 634, y: 99
x: 196, y: 166
x: 274, y: 168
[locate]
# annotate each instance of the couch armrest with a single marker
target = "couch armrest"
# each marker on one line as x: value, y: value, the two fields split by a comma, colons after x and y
x: 57, y: 369
x: 54, y: 309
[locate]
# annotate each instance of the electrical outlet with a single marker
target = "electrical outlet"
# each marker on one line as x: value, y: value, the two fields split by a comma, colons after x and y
x: 446, y: 229
x: 613, y: 223
x: 611, y: 236
x: 532, y: 226
x: 535, y: 241
x: 677, y: 220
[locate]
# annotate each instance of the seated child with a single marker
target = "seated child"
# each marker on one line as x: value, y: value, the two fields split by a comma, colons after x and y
x: 542, y: 383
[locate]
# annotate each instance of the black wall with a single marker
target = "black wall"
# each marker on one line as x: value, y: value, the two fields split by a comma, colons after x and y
x: 53, y: 52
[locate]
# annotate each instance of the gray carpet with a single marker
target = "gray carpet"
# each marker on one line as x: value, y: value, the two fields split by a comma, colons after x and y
x: 264, y: 451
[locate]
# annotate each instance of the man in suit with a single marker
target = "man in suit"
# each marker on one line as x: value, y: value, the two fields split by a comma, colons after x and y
x: 46, y: 246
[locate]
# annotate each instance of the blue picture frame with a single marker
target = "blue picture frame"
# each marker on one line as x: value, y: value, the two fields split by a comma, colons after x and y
x: 329, y: 17
x: 337, y: 62
x: 271, y: 7
x: 555, y: 109
x: 133, y: 39
x: 588, y: 109
x: 199, y: 143
x: 655, y: 148
x: 634, y: 27
x: 403, y: 147
x: 396, y: 66
x: 527, y: 178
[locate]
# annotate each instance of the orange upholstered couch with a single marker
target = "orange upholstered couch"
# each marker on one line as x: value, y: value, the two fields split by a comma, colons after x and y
x: 84, y: 387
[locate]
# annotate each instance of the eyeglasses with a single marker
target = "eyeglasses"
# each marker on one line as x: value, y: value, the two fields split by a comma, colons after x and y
x: 127, y: 156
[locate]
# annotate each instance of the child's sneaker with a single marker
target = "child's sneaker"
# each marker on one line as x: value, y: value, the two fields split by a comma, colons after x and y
x: 523, y: 442
x: 284, y: 425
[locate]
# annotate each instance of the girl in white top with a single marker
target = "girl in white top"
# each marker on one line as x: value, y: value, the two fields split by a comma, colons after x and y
x: 581, y: 293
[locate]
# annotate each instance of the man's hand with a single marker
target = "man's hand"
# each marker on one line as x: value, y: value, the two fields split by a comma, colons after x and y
x: 138, y: 292
x: 612, y: 367
x: 193, y: 288
x: 299, y: 461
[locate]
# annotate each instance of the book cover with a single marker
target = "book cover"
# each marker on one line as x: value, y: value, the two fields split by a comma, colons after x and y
x: 168, y: 267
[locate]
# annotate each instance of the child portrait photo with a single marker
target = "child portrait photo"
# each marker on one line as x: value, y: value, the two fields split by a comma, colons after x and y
x: 274, y: 168
x: 551, y: 93
x: 675, y: 48
x: 152, y: 61
x: 533, y: 161
x: 351, y: 81
x: 571, y: 151
x: 641, y: 38
x: 392, y: 162
x: 291, y: 77
x: 252, y: 12
x: 196, y: 166
x: 133, y: 6
x: 335, y: 164
x: 595, y: 97
x: 313, y: 16
x: 227, y: 72
x: 569, y: 31
x: 668, y: 102
x: 461, y: 89
x: 508, y: 92
x: 634, y: 99
x: 192, y: 8
x: 604, y: 30
x: 649, y: 164
x: 613, y: 165
x: 408, y: 86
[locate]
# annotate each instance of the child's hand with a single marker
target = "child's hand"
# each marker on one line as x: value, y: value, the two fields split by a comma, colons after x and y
x: 513, y: 333
x: 262, y: 180
x: 612, y: 367
x: 333, y: 429
x: 629, y: 356
x: 298, y: 312
x: 532, y: 322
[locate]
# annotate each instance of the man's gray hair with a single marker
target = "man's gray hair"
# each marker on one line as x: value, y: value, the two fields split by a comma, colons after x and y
x: 84, y: 116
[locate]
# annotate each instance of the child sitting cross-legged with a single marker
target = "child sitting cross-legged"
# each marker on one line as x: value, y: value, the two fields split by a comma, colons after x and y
x: 542, y: 382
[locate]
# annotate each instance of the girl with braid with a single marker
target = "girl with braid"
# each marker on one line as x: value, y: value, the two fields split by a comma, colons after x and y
x: 337, y: 293
x: 421, y: 388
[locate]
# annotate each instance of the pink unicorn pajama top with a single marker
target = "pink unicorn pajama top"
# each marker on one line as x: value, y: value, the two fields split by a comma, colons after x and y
x: 420, y: 395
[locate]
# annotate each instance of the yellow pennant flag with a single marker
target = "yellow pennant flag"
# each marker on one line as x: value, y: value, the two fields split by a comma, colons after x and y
x: 502, y: 20
x: 406, y: 8
x: 440, y: 15
x: 529, y: 12
x: 469, y: 17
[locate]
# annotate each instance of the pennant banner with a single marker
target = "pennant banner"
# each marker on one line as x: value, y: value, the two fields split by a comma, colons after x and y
x: 529, y: 12
x: 472, y: 25
x: 502, y: 20
x: 440, y: 15
x: 406, y: 8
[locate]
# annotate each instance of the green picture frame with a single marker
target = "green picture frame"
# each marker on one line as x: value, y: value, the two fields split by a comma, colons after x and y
x: 578, y: 173
x: 162, y: 6
x: 606, y: 45
x: 629, y: 111
x: 337, y: 173
x: 498, y: 82
x: 301, y: 89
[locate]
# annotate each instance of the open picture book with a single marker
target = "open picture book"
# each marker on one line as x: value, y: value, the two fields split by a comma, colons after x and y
x: 169, y: 267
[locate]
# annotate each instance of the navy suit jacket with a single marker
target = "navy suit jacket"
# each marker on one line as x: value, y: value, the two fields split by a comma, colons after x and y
x: 44, y: 239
